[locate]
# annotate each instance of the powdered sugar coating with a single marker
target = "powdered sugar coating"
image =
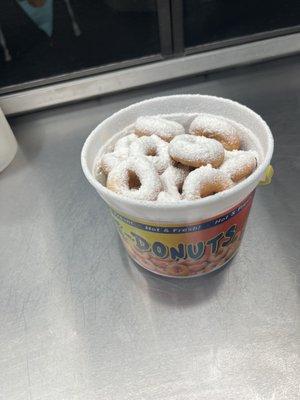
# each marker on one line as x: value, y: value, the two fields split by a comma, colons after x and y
x: 154, y: 125
x: 150, y: 185
x: 121, y: 151
x: 172, y: 180
x: 205, y: 181
x: 107, y: 162
x: 239, y: 164
x: 123, y: 144
x: 155, y: 149
x: 196, y: 151
x: 216, y: 127
x: 165, y: 197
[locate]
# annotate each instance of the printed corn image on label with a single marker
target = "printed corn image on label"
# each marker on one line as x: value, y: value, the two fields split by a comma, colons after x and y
x: 184, y: 249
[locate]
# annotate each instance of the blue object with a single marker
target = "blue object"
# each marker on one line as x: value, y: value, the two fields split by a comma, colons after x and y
x: 41, y: 16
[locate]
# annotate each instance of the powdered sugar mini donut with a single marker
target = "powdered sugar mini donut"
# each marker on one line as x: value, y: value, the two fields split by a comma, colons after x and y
x: 205, y: 181
x: 172, y: 180
x: 135, y: 178
x: 153, y: 125
x: 107, y: 162
x: 196, y: 151
x: 239, y: 164
x: 216, y: 127
x: 122, y: 145
x: 155, y: 149
x: 121, y: 151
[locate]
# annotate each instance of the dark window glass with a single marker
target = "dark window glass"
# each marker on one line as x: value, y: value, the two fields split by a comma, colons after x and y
x: 207, y: 21
x: 44, y: 38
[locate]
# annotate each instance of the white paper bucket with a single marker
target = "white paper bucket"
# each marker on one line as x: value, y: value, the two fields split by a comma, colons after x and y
x: 186, y: 238
x: 8, y: 143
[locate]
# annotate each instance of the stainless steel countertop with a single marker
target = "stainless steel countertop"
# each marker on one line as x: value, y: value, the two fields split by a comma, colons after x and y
x: 80, y: 321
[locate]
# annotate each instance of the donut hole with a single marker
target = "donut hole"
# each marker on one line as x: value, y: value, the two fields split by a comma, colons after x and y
x: 177, y: 164
x: 134, y: 182
x: 180, y: 188
x: 151, y: 151
x: 211, y: 188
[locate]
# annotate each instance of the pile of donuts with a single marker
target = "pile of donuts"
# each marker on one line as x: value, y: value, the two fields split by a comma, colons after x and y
x: 159, y: 161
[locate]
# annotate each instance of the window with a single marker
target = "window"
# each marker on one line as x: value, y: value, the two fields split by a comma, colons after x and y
x: 45, y: 38
x: 208, y: 21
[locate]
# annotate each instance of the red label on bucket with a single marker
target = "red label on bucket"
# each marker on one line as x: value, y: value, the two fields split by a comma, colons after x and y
x: 184, y: 249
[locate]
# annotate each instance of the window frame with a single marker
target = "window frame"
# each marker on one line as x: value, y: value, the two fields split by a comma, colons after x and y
x: 173, y: 62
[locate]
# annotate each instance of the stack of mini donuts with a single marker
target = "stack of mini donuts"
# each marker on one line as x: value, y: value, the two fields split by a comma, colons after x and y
x: 159, y: 161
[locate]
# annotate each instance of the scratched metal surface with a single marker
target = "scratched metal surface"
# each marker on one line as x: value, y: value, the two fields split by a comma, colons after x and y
x: 80, y: 321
